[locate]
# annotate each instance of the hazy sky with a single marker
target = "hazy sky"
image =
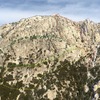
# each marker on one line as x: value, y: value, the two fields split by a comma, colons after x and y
x: 14, y: 10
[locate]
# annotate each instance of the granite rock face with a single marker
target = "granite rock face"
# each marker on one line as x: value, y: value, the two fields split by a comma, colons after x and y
x: 45, y: 36
x: 62, y: 81
x: 50, y: 58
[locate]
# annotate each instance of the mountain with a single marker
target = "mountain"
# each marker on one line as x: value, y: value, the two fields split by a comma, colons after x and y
x: 47, y: 58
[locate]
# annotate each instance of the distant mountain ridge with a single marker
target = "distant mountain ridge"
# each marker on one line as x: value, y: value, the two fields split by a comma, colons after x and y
x: 50, y: 58
x: 30, y: 37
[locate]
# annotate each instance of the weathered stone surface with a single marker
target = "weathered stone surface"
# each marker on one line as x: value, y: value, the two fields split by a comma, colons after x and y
x: 53, y: 34
x: 50, y: 58
x: 63, y: 81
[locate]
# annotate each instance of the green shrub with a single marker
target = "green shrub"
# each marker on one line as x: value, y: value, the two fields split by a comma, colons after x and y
x: 11, y: 64
x: 33, y: 37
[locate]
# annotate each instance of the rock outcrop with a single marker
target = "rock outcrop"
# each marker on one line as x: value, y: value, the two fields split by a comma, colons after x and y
x: 50, y: 58
x: 44, y: 36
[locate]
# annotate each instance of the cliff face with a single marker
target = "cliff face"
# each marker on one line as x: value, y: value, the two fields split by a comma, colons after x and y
x: 41, y: 58
x: 45, y: 36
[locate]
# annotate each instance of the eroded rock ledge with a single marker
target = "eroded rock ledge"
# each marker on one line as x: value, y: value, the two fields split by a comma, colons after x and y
x: 50, y: 58
x: 61, y: 81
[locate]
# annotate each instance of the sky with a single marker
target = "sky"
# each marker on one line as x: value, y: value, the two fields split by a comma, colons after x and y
x: 14, y: 10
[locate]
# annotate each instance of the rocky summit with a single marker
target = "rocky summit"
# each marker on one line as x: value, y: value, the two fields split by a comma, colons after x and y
x: 50, y: 58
